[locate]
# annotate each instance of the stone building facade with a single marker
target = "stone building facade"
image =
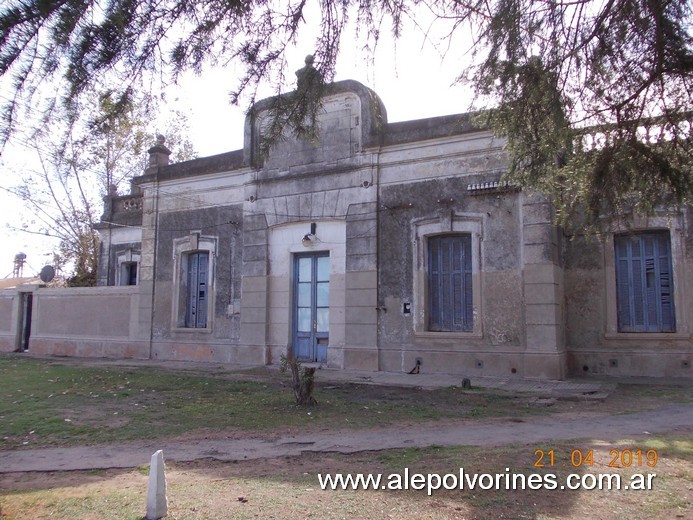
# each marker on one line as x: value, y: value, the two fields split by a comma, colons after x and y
x: 382, y: 246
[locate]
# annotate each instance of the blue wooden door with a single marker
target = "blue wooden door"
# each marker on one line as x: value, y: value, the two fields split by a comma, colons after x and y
x: 311, y: 307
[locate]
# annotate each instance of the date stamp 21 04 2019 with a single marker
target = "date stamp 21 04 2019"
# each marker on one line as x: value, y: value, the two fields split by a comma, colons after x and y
x: 617, y: 458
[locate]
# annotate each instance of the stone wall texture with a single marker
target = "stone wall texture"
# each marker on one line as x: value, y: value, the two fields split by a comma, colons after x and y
x: 368, y: 195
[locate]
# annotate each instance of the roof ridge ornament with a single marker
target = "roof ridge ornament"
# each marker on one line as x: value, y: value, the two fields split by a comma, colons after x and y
x: 308, y: 77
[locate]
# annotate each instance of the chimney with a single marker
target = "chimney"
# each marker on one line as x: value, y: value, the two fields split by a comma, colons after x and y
x: 158, y: 154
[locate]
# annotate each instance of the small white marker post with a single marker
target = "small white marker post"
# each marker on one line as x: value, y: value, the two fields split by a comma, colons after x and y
x: 157, y: 503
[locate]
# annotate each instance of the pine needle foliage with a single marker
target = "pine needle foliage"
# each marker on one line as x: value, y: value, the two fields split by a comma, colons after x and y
x: 594, y: 97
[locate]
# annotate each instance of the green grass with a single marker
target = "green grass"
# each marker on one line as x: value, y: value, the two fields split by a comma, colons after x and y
x: 48, y: 403
x: 45, y: 403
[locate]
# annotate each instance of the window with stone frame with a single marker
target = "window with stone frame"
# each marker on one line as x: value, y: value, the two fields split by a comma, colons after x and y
x: 127, y: 270
x: 450, y: 297
x: 193, y: 282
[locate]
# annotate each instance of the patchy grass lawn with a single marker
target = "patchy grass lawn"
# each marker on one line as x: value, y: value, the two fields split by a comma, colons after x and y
x: 288, y: 488
x: 49, y: 403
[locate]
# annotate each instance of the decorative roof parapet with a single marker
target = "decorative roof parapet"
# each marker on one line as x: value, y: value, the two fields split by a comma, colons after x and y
x: 373, y: 116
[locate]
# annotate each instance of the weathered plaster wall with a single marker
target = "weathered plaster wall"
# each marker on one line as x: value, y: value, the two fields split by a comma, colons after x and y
x: 339, y: 137
x: 585, y: 293
x: 6, y: 311
x: 329, y: 183
x: 223, y: 223
x: 87, y: 322
x: 517, y: 272
x: 594, y: 344
x: 424, y: 176
x: 200, y: 198
x: 285, y: 241
x: 8, y: 320
x: 496, y: 344
x: 376, y: 191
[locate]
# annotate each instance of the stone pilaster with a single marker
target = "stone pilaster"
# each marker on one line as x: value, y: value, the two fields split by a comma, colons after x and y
x: 158, y: 157
x: 542, y: 277
x: 254, y: 283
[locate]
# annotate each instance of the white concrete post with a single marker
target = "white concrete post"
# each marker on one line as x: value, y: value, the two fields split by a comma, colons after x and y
x: 157, y: 503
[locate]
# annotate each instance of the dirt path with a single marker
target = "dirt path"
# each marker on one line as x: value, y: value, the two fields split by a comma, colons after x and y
x: 671, y: 418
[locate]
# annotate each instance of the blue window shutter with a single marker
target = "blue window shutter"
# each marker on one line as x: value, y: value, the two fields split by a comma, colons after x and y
x: 450, y: 283
x: 623, y: 285
x: 197, y: 290
x: 666, y: 286
x: 191, y: 312
x: 446, y: 284
x: 457, y: 283
x: 644, y: 283
x: 638, y: 284
x: 202, y: 290
x: 652, y: 312
x: 434, y: 284
x: 468, y: 301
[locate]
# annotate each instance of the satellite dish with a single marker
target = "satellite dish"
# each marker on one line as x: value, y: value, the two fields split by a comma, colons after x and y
x: 47, y: 273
